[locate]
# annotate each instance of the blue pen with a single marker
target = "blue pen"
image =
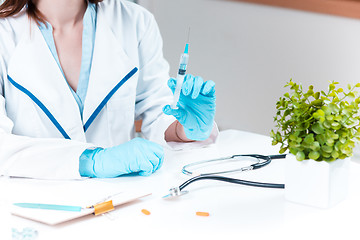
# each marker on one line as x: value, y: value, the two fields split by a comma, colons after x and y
x: 49, y: 207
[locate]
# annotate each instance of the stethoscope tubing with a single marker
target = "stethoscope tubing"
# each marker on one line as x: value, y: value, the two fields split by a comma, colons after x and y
x: 238, y: 181
x: 259, y: 164
x: 230, y: 180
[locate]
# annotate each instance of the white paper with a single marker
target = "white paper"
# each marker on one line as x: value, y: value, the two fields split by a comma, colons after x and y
x: 74, y: 193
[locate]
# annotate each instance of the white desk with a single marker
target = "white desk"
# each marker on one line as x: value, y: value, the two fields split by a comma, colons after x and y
x: 236, y: 212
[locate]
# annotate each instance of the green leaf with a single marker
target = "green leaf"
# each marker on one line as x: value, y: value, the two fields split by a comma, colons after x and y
x: 331, y: 87
x: 300, y: 156
x: 317, y: 102
x: 338, y: 118
x: 334, y: 108
x: 335, y: 136
x: 318, y: 114
x: 332, y: 94
x: 309, y: 139
x: 293, y: 151
x: 314, y: 155
x: 330, y: 117
x: 335, y: 125
x: 292, y: 137
x: 321, y: 139
x: 282, y: 150
x: 318, y: 128
x: 330, y: 142
x: 326, y: 110
x: 327, y: 124
x: 315, y: 146
x: 272, y: 134
x: 316, y: 95
x: 335, y: 154
x: 326, y: 155
x: 327, y: 149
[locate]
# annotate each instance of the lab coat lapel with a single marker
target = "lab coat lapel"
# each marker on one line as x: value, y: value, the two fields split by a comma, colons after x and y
x: 110, y: 65
x: 33, y: 67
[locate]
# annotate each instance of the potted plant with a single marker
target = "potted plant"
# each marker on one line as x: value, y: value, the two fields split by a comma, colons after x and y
x: 319, y: 129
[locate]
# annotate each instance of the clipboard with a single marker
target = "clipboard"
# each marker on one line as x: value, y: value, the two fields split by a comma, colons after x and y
x: 54, y: 217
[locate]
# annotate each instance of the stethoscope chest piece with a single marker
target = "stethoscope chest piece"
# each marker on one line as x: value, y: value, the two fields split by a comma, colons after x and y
x: 175, y: 192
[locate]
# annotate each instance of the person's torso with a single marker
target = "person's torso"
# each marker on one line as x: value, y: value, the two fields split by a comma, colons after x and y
x: 38, y: 99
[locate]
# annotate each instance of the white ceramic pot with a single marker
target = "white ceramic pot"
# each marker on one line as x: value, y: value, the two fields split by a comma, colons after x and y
x: 317, y: 184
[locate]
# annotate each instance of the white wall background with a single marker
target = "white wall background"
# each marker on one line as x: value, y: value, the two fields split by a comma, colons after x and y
x: 251, y: 51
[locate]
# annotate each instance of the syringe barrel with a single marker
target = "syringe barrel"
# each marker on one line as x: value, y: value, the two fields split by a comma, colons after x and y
x: 179, y: 83
x: 184, y: 59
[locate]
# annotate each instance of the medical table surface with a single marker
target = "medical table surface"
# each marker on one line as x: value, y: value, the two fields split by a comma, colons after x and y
x: 236, y: 211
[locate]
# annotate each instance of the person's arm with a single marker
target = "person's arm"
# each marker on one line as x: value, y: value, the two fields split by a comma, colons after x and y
x: 153, y: 93
x: 175, y: 133
x: 22, y: 156
x: 195, y: 109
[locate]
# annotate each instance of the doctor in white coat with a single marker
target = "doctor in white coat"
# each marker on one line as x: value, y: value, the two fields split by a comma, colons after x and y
x: 75, y: 75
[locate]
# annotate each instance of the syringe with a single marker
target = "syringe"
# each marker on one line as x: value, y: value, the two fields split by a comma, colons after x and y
x: 184, y: 59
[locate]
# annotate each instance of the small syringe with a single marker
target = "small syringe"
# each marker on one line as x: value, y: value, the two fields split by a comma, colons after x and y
x: 184, y: 59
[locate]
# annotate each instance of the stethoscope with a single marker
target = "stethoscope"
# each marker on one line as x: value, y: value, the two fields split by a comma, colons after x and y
x: 261, y: 161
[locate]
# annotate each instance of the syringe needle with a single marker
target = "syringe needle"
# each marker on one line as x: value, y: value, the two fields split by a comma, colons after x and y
x: 188, y: 38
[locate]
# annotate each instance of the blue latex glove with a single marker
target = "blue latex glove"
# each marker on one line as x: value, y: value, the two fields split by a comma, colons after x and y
x: 196, y: 110
x: 138, y: 155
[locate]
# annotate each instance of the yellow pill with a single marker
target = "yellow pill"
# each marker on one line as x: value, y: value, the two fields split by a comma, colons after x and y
x: 203, y: 214
x: 146, y: 212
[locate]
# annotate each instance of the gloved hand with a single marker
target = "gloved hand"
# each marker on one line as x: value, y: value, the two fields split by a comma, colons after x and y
x: 138, y: 155
x: 196, y: 110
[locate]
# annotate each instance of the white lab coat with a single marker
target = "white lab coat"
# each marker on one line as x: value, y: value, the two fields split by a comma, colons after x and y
x: 38, y: 111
